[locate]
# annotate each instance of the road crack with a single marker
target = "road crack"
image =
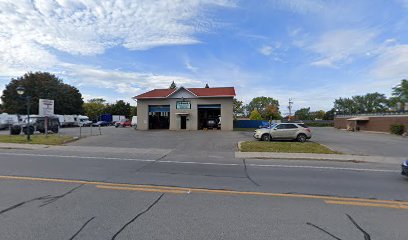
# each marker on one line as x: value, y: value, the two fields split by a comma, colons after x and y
x: 137, y: 216
x: 47, y: 199
x: 323, y: 230
x: 83, y: 226
x: 247, y: 175
x: 52, y: 199
x: 366, y: 235
x: 23, y: 203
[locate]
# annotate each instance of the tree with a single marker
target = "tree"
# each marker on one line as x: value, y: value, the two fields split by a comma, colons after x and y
x: 400, y: 94
x: 173, y: 85
x: 261, y: 104
x: 401, y: 91
x: 255, y: 115
x: 94, y: 108
x: 318, y: 114
x: 272, y: 112
x: 119, y: 108
x: 369, y: 103
x: 303, y: 114
x: 206, y: 85
x: 329, y: 115
x: 42, y: 85
x: 133, y: 110
x: 238, y: 108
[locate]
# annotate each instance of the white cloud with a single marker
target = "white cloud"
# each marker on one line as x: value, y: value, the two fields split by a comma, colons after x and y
x: 340, y: 46
x: 30, y: 31
x: 129, y: 83
x: 301, y: 6
x: 266, y: 50
x: 89, y: 27
x: 392, y: 64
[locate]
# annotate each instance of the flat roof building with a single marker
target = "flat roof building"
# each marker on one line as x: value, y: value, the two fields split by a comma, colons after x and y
x: 186, y: 108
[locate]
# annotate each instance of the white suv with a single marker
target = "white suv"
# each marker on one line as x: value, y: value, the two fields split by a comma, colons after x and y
x: 284, y: 131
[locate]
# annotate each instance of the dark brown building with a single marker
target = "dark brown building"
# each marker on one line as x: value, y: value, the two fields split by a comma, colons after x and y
x: 377, y: 123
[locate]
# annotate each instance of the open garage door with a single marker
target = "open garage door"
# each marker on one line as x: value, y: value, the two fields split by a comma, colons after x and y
x: 159, y: 116
x: 209, y: 116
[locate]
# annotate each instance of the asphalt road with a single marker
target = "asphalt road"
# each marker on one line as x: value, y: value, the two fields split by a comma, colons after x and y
x: 103, y: 193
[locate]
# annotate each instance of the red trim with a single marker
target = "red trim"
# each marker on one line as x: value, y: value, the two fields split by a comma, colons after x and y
x: 199, y: 92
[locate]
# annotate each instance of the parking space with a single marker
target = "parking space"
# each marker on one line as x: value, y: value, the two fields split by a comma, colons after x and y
x: 361, y: 143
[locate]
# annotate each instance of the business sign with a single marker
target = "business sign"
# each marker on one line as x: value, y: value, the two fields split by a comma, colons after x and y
x: 183, y: 105
x: 46, y: 107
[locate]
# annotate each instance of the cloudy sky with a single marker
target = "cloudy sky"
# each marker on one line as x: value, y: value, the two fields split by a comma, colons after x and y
x: 310, y: 50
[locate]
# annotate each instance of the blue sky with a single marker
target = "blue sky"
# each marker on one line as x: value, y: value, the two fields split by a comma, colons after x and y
x: 310, y: 50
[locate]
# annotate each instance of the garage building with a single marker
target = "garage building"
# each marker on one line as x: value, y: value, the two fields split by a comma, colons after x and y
x: 186, y: 108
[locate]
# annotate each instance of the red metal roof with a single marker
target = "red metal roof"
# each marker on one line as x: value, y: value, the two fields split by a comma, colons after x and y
x: 199, y: 92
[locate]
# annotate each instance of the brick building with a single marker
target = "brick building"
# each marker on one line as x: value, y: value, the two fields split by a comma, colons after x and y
x: 377, y: 123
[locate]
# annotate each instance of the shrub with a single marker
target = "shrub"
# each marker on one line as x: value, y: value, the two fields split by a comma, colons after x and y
x: 320, y: 124
x: 397, y: 129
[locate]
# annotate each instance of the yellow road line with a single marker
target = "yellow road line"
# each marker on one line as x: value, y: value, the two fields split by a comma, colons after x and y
x: 367, y: 204
x: 123, y: 186
x: 142, y: 189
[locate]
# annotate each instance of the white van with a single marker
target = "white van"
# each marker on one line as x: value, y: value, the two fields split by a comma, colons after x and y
x: 83, y: 121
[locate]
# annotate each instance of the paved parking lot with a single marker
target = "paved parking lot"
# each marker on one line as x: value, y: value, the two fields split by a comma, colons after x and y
x: 362, y: 143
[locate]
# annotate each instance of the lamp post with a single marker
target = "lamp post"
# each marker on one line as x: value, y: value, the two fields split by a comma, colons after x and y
x: 20, y: 91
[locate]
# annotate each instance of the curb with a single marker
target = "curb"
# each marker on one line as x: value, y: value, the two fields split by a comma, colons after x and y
x: 319, y: 157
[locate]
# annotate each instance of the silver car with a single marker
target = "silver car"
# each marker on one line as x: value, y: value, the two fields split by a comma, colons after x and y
x: 284, y: 131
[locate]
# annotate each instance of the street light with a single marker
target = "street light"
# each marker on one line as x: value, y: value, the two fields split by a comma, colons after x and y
x: 20, y: 91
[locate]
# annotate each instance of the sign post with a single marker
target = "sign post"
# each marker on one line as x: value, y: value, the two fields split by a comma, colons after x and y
x: 46, y: 109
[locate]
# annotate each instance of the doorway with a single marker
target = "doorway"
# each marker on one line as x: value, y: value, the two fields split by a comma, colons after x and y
x: 183, y: 122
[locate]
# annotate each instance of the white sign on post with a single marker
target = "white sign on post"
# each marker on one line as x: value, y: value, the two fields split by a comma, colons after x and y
x: 46, y: 107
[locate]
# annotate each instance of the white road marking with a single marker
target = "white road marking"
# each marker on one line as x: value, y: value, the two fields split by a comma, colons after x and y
x: 204, y: 163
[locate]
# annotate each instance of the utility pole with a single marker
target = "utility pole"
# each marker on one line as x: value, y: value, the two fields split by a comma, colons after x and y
x: 290, y: 106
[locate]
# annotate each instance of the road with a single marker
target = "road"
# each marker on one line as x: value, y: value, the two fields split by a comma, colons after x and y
x: 95, y: 192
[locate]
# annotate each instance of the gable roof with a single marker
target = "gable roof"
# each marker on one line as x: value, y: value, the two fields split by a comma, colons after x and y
x: 199, y: 92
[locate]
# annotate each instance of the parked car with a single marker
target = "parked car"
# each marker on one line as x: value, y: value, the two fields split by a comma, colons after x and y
x: 100, y: 124
x: 123, y: 123
x: 211, y: 123
x: 83, y: 121
x: 284, y: 131
x: 37, y: 123
x: 404, y: 168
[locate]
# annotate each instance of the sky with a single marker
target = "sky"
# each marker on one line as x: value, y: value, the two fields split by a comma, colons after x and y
x: 312, y: 51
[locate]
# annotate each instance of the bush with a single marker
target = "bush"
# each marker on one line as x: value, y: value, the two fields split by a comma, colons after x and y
x: 397, y: 129
x: 320, y: 124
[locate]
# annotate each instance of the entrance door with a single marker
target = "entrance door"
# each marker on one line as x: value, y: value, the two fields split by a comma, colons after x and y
x: 183, y: 122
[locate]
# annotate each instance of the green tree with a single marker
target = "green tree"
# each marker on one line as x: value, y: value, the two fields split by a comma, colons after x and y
x: 133, y: 110
x: 329, y: 115
x: 238, y: 108
x: 42, y: 85
x: 318, y: 114
x: 261, y: 104
x: 119, y: 108
x: 173, y: 85
x: 400, y: 94
x: 255, y: 115
x: 401, y: 91
x: 272, y: 112
x: 94, y: 108
x: 303, y: 114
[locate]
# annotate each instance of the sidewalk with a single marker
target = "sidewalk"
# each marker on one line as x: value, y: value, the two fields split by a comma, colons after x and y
x: 319, y: 157
x: 87, y: 149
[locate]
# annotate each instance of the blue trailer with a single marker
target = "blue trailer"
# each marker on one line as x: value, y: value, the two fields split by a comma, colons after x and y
x: 106, y: 117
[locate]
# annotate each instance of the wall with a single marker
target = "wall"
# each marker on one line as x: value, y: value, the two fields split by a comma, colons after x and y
x: 192, y: 123
x: 375, y: 123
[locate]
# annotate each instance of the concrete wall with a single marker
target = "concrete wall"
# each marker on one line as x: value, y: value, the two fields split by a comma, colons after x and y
x: 192, y: 119
x: 375, y: 123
